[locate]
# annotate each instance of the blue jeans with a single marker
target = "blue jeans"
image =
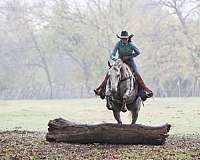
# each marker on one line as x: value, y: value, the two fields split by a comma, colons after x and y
x: 131, y: 63
x: 134, y: 67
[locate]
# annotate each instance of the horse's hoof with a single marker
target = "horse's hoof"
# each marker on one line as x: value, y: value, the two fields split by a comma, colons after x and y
x: 124, y: 110
x: 119, y: 123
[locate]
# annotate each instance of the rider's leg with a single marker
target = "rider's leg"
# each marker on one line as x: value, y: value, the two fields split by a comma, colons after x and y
x: 99, y: 90
x: 141, y: 82
x: 139, y: 79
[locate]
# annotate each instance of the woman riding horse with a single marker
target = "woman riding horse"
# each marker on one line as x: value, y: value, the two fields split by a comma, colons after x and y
x: 126, y: 51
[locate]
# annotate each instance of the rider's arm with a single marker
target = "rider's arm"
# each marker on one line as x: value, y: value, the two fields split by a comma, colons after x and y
x: 136, y: 51
x: 112, y: 56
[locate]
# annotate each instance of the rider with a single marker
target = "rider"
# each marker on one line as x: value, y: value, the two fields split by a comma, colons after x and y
x: 126, y: 51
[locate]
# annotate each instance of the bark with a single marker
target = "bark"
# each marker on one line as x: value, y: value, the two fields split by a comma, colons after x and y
x: 61, y: 130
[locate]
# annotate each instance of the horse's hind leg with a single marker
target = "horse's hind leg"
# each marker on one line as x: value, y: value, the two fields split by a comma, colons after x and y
x: 116, y: 113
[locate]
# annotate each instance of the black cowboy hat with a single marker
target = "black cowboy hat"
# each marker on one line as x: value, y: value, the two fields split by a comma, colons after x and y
x: 124, y: 34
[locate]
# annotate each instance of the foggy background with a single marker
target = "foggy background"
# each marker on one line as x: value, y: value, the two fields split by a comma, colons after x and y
x: 59, y: 48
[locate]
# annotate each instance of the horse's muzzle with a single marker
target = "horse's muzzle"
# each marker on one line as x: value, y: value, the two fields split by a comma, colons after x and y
x: 114, y: 90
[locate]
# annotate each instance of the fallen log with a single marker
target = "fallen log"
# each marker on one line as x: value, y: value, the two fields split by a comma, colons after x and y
x: 61, y: 130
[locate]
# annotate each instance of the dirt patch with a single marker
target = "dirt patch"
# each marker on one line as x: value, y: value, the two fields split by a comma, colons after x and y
x: 32, y: 145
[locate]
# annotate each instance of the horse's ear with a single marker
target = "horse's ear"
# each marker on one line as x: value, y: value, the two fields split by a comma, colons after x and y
x: 109, y: 65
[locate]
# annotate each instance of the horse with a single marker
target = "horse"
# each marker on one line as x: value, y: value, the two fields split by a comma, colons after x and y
x: 122, y: 91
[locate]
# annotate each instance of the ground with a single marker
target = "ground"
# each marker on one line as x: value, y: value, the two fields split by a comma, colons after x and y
x: 33, y: 116
x: 32, y: 145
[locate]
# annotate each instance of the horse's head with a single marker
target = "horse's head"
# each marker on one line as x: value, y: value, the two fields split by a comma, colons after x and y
x: 115, y: 75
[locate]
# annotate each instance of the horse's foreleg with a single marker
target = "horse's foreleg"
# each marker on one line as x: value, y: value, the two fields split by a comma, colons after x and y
x: 108, y: 102
x: 124, y: 108
x: 116, y: 114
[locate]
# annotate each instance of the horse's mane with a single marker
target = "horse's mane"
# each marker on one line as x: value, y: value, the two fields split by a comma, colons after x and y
x: 123, y: 67
x: 126, y: 71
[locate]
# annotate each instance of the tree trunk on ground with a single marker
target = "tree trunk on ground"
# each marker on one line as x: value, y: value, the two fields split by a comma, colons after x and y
x: 61, y: 130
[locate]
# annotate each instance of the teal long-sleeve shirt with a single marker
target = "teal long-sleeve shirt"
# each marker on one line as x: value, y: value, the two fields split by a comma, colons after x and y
x: 124, y: 50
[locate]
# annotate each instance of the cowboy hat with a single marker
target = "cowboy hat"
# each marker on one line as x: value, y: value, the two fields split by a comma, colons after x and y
x: 124, y: 34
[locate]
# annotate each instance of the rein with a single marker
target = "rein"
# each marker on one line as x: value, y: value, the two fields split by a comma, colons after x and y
x: 126, y: 78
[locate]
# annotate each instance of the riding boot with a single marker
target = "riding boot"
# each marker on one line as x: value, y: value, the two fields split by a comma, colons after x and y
x: 148, y: 93
x: 100, y: 91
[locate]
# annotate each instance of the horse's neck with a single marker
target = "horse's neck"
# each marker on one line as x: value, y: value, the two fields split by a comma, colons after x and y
x: 127, y: 86
x: 126, y: 71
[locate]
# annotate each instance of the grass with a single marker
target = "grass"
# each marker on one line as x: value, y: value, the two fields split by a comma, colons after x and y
x: 33, y: 115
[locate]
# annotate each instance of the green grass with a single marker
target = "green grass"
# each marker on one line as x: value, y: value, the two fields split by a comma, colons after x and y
x: 33, y: 115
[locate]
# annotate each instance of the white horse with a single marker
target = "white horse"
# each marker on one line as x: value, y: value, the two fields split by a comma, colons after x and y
x: 122, y: 91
